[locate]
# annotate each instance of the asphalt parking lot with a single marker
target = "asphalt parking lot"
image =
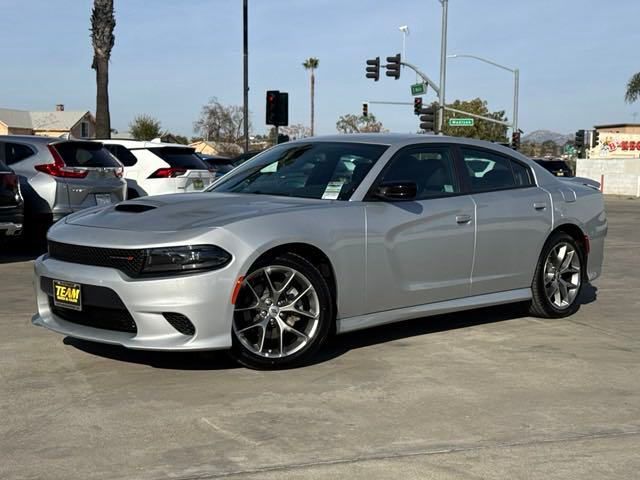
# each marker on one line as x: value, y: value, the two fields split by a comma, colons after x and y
x: 482, y: 394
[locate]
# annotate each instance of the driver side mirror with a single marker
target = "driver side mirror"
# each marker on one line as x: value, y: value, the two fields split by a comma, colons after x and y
x: 396, y: 191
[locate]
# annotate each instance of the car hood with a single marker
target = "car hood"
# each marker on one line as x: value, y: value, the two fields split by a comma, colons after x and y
x: 179, y: 212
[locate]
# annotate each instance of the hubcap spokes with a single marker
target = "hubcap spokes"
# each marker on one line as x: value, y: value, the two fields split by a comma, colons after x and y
x: 562, y: 275
x: 277, y: 312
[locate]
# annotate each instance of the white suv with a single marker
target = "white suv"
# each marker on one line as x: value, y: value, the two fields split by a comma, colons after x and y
x: 154, y: 168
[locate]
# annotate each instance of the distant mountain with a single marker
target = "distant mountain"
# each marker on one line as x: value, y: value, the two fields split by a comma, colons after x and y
x: 540, y: 136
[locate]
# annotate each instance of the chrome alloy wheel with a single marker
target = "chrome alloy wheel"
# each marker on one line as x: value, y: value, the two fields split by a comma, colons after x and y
x: 277, y: 312
x: 562, y: 275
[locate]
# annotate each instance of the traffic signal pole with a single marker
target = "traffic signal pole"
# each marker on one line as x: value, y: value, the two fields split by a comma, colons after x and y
x: 245, y: 58
x: 443, y: 63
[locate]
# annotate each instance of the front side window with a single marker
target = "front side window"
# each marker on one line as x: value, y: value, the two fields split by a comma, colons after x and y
x: 430, y: 168
x: 322, y: 170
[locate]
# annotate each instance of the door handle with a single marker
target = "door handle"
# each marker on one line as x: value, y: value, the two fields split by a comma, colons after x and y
x: 462, y: 219
x: 539, y: 205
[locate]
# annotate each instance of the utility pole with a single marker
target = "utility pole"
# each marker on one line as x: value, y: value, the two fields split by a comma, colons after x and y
x: 443, y: 62
x: 245, y: 41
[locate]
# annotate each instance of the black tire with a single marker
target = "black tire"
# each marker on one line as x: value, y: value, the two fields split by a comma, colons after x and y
x: 326, y: 317
x: 541, y: 306
x: 35, y: 231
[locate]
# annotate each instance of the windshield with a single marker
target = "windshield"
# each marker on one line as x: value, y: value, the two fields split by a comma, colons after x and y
x: 322, y: 170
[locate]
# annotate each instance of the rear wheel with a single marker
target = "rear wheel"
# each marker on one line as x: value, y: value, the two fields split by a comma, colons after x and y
x: 283, y: 314
x: 558, y: 279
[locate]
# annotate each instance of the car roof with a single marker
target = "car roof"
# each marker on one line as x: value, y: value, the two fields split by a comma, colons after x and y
x: 140, y: 143
x: 35, y: 139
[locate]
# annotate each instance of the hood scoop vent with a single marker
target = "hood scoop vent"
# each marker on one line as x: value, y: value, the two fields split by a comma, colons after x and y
x: 134, y: 207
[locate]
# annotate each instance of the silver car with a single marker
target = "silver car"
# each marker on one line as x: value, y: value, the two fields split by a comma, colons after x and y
x: 321, y: 235
x: 59, y: 177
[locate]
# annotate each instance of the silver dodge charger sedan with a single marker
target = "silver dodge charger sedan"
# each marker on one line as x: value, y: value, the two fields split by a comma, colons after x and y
x: 322, y: 235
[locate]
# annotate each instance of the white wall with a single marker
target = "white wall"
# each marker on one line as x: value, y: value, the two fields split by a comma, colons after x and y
x: 618, y: 176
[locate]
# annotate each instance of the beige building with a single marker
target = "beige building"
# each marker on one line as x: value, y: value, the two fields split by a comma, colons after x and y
x: 52, y: 124
x: 618, y: 128
x: 217, y: 148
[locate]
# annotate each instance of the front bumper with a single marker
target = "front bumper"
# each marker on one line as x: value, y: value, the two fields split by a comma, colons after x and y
x: 204, y: 298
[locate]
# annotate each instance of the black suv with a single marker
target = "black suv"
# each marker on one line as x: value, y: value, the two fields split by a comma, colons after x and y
x: 558, y: 167
x: 11, y: 205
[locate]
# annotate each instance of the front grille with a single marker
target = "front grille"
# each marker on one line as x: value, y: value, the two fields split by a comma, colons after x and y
x: 97, y: 317
x: 180, y: 323
x: 128, y: 261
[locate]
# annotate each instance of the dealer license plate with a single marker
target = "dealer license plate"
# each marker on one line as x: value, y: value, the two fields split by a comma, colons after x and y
x: 67, y: 295
x: 103, y: 199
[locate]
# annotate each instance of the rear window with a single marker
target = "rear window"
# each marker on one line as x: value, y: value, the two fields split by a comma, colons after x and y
x: 85, y: 154
x: 178, y: 157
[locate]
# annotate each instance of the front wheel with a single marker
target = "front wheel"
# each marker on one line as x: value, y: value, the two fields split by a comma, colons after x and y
x: 557, y: 282
x: 283, y: 313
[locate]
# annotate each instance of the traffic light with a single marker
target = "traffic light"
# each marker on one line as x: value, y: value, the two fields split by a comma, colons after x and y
x: 393, y: 66
x: 515, y: 140
x: 365, y: 109
x: 373, y: 69
x: 428, y: 118
x: 277, y: 108
x: 595, y: 138
x: 417, y: 105
x: 579, y: 142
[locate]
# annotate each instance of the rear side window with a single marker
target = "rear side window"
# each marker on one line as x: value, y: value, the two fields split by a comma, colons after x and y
x: 16, y: 152
x: 85, y: 154
x: 522, y: 174
x: 123, y: 154
x: 487, y: 171
x: 178, y: 157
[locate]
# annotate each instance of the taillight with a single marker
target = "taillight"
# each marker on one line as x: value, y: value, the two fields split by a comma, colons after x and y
x: 58, y: 167
x: 168, y: 172
x: 10, y: 181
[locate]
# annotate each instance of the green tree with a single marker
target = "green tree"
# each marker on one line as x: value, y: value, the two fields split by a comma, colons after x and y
x: 549, y: 147
x: 311, y: 64
x: 633, y: 89
x: 145, y: 127
x: 103, y: 22
x: 482, y: 129
x: 359, y: 124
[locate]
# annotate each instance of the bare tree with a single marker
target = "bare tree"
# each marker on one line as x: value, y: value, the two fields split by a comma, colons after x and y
x: 103, y: 22
x: 221, y: 123
x: 296, y: 131
x: 359, y: 124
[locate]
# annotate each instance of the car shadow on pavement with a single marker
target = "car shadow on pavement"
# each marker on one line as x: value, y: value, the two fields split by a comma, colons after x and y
x: 337, y: 345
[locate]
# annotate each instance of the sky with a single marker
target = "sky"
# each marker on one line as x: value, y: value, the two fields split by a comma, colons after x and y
x: 171, y: 56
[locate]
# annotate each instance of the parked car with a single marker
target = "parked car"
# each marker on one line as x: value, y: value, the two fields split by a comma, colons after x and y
x: 558, y: 167
x: 11, y: 204
x: 219, y: 165
x: 154, y: 168
x: 59, y: 177
x: 317, y: 235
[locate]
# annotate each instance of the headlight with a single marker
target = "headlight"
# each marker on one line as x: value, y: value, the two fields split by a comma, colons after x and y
x: 185, y: 259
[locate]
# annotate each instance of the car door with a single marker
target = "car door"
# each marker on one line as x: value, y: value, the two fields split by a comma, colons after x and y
x: 419, y: 251
x: 513, y: 220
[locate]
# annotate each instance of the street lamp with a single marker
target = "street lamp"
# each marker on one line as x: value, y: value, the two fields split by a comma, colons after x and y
x: 405, y: 31
x: 516, y: 82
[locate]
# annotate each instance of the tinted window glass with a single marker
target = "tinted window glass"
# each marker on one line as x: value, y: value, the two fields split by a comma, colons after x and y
x: 123, y: 154
x: 15, y: 152
x: 323, y: 170
x: 178, y: 157
x: 522, y: 174
x: 431, y: 168
x: 487, y: 171
x: 85, y: 154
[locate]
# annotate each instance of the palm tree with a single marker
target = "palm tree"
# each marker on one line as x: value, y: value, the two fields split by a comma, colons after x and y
x: 312, y: 63
x: 102, y: 24
x: 633, y: 89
